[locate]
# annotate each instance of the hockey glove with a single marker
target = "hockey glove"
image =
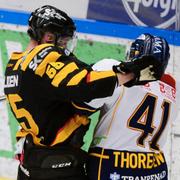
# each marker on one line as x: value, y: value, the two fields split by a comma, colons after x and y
x: 144, y: 68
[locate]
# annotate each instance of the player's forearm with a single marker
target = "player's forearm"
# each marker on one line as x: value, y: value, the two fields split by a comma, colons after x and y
x: 96, y: 87
x: 124, y: 78
x: 88, y: 90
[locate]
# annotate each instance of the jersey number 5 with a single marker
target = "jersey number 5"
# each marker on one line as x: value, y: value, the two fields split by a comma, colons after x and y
x: 142, y: 120
x: 23, y: 116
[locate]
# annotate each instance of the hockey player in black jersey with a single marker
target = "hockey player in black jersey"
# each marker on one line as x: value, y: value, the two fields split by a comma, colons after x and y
x: 40, y: 85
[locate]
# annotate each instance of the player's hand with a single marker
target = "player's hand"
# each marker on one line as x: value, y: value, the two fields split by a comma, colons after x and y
x: 145, y: 69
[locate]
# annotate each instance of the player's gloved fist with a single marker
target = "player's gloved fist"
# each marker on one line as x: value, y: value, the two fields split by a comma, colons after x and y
x: 144, y: 68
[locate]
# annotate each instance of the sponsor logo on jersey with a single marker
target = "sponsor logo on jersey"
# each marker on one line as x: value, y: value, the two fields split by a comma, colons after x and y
x: 168, y: 91
x: 136, y: 10
x: 38, y: 58
x: 157, y: 176
x: 114, y: 176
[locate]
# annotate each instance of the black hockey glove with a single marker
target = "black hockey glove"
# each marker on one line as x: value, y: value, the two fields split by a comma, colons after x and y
x: 144, y: 68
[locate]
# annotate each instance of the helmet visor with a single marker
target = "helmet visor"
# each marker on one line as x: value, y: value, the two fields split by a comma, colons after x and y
x: 67, y: 42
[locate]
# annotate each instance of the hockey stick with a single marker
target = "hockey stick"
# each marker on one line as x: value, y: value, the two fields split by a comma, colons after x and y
x: 2, y: 97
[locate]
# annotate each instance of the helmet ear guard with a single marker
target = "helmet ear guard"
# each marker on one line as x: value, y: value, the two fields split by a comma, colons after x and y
x: 31, y: 32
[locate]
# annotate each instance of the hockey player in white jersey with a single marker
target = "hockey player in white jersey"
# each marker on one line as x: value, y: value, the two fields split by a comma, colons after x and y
x: 134, y: 122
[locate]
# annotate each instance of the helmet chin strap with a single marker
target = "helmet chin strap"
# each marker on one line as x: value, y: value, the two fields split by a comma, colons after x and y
x: 56, y: 39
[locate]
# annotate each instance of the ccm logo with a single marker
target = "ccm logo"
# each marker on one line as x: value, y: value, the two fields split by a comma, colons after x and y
x: 61, y: 165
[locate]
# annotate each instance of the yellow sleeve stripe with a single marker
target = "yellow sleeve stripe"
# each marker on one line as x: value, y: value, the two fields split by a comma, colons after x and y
x: 51, y: 57
x: 69, y: 128
x: 82, y: 108
x: 77, y: 78
x: 62, y: 74
x: 16, y: 55
x: 97, y: 75
x: 31, y: 55
x: 17, y: 64
x: 10, y: 65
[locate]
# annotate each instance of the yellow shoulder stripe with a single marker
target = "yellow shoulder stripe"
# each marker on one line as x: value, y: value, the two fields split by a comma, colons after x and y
x: 51, y: 57
x: 62, y: 74
x: 17, y: 64
x: 31, y: 55
x: 77, y: 78
x: 97, y: 75
x: 17, y: 55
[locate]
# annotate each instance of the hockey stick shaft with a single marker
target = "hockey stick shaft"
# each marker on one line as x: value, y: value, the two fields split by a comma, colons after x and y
x: 2, y: 98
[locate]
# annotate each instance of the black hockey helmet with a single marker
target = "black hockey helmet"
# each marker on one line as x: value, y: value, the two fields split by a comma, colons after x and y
x: 49, y: 18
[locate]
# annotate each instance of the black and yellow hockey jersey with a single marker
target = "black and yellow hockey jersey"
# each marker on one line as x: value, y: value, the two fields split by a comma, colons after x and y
x: 40, y: 86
